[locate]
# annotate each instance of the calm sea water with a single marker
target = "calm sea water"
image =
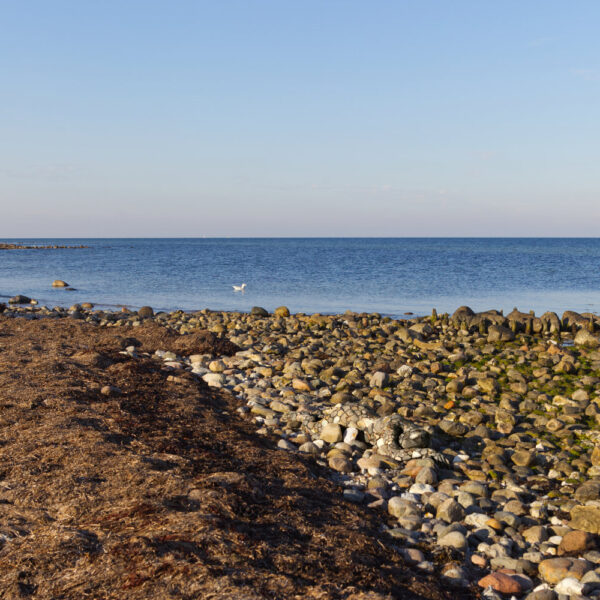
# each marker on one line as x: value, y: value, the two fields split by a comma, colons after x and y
x: 391, y: 276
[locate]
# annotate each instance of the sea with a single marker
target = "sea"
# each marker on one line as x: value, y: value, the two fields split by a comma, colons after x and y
x: 391, y: 276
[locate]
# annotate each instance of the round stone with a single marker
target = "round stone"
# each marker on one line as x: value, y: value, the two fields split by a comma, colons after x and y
x: 145, y: 312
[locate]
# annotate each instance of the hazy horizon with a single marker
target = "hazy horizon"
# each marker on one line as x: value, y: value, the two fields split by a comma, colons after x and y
x: 313, y: 119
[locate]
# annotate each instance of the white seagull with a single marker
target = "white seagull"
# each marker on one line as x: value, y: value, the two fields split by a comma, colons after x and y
x: 238, y: 288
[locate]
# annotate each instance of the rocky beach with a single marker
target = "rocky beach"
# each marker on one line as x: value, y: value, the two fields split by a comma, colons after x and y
x: 272, y: 455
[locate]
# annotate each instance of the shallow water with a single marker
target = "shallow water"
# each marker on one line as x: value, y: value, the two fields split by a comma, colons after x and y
x: 388, y: 275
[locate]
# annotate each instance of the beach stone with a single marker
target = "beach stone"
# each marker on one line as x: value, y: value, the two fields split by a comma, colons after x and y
x: 586, y: 518
x: 569, y: 586
x: 145, y: 312
x: 542, y: 594
x: 454, y: 539
x: 59, y: 283
x: 505, y: 421
x: 259, y: 311
x: 341, y: 464
x: 421, y: 488
x: 379, y: 379
x: 331, y: 433
x: 215, y: 380
x: 405, y: 371
x: 501, y: 582
x: 300, y: 385
x: 412, y: 555
x: 535, y: 534
x: 462, y: 313
x: 488, y: 385
x: 499, y: 333
x: 522, y: 458
x: 286, y: 445
x: 427, y: 475
x: 453, y: 428
x: 353, y: 495
x: 309, y: 448
x: 450, y: 511
x: 342, y: 398
x: 19, y: 299
x: 584, y: 338
x: 576, y: 542
x: 350, y: 435
x: 282, y: 311
x: 553, y: 570
x: 400, y: 507
x: 590, y: 490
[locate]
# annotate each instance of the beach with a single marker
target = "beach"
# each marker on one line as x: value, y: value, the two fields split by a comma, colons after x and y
x: 460, y: 449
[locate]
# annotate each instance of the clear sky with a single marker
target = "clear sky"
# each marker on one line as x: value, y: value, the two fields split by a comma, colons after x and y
x: 299, y: 118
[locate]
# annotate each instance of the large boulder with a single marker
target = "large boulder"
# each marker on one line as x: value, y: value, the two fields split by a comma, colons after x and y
x: 551, y: 322
x: 499, y: 333
x: 584, y: 338
x: 59, y: 283
x: 522, y: 320
x: 462, y: 313
x: 282, y: 311
x: 571, y: 318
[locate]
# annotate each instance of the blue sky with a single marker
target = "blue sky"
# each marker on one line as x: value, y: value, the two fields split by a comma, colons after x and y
x: 304, y: 118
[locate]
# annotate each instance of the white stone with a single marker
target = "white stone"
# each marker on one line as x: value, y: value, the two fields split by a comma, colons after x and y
x: 555, y: 540
x: 476, y: 519
x: 569, y: 586
x: 460, y: 458
x: 421, y: 488
x: 350, y: 435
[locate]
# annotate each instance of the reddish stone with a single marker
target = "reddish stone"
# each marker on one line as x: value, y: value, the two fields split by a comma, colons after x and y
x: 576, y: 542
x: 501, y: 582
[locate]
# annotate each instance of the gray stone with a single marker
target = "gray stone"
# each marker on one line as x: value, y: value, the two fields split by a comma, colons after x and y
x: 450, y: 511
x: 454, y: 539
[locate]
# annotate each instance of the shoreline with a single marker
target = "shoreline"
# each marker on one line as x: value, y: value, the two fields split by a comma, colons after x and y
x: 471, y: 434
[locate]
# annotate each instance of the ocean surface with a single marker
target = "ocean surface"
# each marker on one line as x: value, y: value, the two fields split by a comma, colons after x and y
x: 392, y: 276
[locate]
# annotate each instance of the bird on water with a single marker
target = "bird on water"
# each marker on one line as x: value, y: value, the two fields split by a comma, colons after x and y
x: 239, y: 288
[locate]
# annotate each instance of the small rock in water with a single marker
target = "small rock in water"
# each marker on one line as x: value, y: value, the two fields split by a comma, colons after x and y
x: 19, y: 299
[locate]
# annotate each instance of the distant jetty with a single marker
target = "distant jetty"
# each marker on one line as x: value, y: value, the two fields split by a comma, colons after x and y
x: 13, y: 246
